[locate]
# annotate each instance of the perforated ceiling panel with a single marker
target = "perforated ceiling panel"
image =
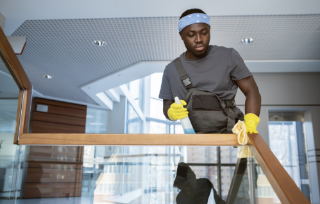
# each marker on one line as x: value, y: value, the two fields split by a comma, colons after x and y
x: 64, y: 49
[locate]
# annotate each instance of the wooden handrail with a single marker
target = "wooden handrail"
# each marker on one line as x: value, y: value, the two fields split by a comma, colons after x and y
x: 281, y: 182
x: 128, y: 139
x: 19, y: 75
x: 285, y: 188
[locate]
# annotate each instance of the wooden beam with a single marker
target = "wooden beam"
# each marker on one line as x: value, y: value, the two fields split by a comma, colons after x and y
x: 19, y: 75
x: 285, y: 188
x: 129, y: 139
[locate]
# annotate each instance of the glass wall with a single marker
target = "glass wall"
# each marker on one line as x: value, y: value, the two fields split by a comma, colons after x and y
x: 152, y: 174
x: 9, y: 153
x: 288, y: 143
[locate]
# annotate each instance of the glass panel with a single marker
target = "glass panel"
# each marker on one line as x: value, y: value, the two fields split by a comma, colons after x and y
x: 288, y: 143
x: 197, y: 154
x: 228, y: 154
x: 9, y: 153
x: 128, y: 174
x: 263, y: 191
x: 226, y: 178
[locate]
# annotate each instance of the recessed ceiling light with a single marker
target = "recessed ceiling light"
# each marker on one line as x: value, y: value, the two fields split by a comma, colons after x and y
x: 99, y: 43
x: 47, y: 76
x: 246, y: 40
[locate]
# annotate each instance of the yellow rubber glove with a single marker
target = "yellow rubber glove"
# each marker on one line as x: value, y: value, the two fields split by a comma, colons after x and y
x: 251, y: 121
x: 176, y: 111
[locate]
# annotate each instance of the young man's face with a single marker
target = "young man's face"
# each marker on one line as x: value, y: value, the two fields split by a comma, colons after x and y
x: 196, y: 38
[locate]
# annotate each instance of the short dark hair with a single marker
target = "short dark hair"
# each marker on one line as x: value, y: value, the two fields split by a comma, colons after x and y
x: 191, y: 11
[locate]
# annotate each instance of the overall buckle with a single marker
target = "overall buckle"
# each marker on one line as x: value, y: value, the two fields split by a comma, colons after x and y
x: 186, y: 80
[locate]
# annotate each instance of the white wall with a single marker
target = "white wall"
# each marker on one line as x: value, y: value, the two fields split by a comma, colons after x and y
x: 286, y: 89
x: 117, y: 117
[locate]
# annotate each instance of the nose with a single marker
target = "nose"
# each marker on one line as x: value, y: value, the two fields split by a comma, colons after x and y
x: 198, y: 38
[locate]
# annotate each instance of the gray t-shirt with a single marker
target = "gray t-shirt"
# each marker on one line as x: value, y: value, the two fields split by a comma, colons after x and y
x: 216, y: 73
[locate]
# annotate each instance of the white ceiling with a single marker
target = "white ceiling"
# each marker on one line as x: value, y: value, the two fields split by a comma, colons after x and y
x: 60, y: 34
x: 17, y: 11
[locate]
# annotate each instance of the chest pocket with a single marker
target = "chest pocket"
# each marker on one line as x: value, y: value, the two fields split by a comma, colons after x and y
x: 205, y: 103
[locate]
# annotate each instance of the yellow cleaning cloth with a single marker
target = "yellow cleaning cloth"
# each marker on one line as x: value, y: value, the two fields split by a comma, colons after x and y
x: 240, y: 130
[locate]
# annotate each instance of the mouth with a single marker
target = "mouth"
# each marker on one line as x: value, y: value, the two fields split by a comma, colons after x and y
x: 199, y: 48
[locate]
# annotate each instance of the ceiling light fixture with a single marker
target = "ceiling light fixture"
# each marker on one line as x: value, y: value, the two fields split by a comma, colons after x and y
x: 47, y: 76
x: 246, y: 40
x: 99, y: 43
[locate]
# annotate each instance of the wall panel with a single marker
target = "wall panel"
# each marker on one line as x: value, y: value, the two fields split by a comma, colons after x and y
x: 55, y: 171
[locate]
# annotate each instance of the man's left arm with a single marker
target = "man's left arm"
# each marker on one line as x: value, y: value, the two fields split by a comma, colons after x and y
x: 250, y: 89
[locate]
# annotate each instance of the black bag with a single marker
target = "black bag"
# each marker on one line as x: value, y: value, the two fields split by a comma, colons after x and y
x: 193, y: 191
x: 207, y: 112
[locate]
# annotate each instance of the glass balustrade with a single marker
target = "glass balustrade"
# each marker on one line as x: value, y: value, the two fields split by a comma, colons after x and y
x: 9, y: 153
x: 141, y: 175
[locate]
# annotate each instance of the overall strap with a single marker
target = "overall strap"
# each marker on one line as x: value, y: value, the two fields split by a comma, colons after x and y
x: 183, y: 74
x: 228, y: 106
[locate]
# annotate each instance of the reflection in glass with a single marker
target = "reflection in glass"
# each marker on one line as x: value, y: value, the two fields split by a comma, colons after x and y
x: 9, y: 153
x: 150, y: 174
x: 226, y: 178
x: 263, y: 191
x: 228, y: 154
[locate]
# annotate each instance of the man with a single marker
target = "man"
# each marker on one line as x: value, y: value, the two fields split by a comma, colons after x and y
x: 208, y: 77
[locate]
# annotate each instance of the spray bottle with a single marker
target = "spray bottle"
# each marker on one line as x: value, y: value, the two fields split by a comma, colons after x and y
x: 185, y: 122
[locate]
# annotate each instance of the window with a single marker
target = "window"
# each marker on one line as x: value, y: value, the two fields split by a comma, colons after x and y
x: 96, y: 121
x: 133, y: 122
x: 288, y: 143
x: 156, y: 120
x: 136, y: 88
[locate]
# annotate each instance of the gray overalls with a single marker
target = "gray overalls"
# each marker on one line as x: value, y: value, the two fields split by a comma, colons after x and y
x: 207, y: 112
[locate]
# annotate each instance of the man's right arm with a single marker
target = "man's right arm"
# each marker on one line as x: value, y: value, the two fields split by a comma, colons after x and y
x: 166, y: 106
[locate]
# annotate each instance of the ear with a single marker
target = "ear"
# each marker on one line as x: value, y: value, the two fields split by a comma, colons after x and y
x: 181, y: 35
